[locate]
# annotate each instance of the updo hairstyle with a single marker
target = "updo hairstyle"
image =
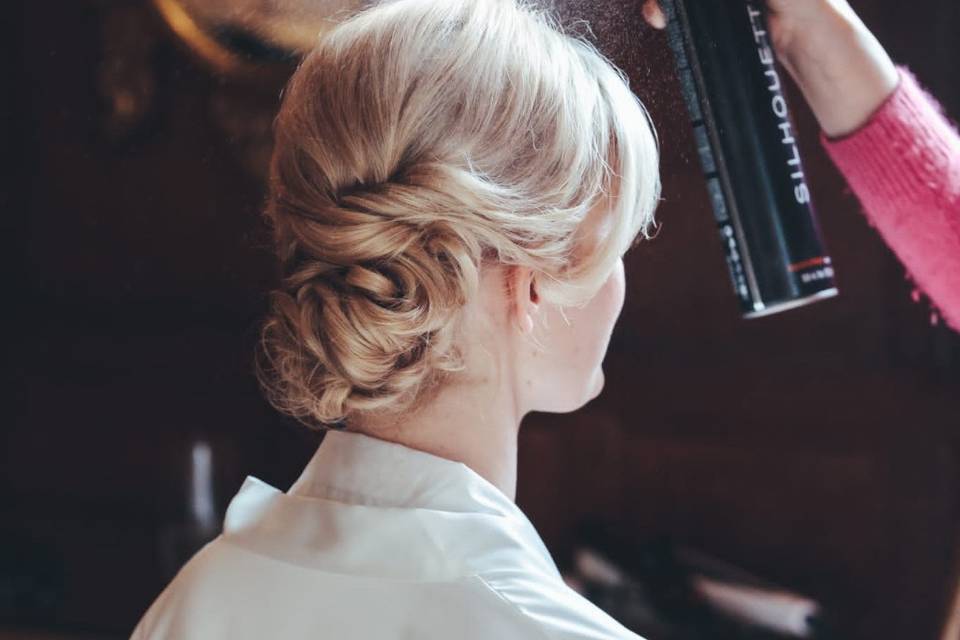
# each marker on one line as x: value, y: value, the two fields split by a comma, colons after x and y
x: 416, y: 143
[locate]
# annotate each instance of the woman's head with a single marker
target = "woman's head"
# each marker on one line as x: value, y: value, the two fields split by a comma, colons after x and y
x: 439, y: 159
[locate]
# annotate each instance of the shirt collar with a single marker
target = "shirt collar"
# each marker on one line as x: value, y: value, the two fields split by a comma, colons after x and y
x: 367, y: 506
x: 357, y: 468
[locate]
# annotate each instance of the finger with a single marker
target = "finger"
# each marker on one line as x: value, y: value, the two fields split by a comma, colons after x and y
x: 654, y: 15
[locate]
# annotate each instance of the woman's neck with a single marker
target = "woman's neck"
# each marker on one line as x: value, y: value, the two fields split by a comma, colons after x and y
x: 471, y: 421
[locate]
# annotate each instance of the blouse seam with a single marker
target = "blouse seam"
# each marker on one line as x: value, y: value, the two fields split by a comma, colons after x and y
x: 236, y: 544
x: 512, y: 606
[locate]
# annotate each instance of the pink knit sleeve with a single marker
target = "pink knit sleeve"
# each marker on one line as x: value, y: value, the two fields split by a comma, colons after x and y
x: 903, y: 165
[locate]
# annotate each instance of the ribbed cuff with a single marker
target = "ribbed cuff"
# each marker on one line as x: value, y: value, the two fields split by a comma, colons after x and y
x: 901, y: 153
x: 903, y: 164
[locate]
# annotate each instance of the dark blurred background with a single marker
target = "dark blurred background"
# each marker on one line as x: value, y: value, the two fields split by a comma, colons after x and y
x: 817, y: 448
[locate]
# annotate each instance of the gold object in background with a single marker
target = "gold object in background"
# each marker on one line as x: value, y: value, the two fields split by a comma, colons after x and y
x: 248, y: 37
x: 254, y: 45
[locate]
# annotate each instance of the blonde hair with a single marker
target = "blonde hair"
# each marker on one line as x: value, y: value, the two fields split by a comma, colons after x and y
x: 418, y: 141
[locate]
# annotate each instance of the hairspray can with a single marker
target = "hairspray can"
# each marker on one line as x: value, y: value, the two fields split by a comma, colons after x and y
x: 748, y: 150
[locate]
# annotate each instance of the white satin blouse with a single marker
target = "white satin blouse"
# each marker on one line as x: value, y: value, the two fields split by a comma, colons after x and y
x: 374, y: 541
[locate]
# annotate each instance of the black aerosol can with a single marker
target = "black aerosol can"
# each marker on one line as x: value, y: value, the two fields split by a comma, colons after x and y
x: 748, y: 149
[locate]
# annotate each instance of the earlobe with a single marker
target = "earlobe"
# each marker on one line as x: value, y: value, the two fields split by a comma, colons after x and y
x: 527, y: 324
x: 531, y: 305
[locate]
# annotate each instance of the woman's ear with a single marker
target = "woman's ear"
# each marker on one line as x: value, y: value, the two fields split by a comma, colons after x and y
x: 524, y: 297
x: 653, y: 14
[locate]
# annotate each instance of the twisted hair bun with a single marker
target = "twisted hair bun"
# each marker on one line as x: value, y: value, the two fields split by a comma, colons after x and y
x: 418, y: 141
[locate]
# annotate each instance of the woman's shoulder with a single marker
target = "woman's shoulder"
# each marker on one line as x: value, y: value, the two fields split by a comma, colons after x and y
x: 228, y: 591
x: 168, y: 616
